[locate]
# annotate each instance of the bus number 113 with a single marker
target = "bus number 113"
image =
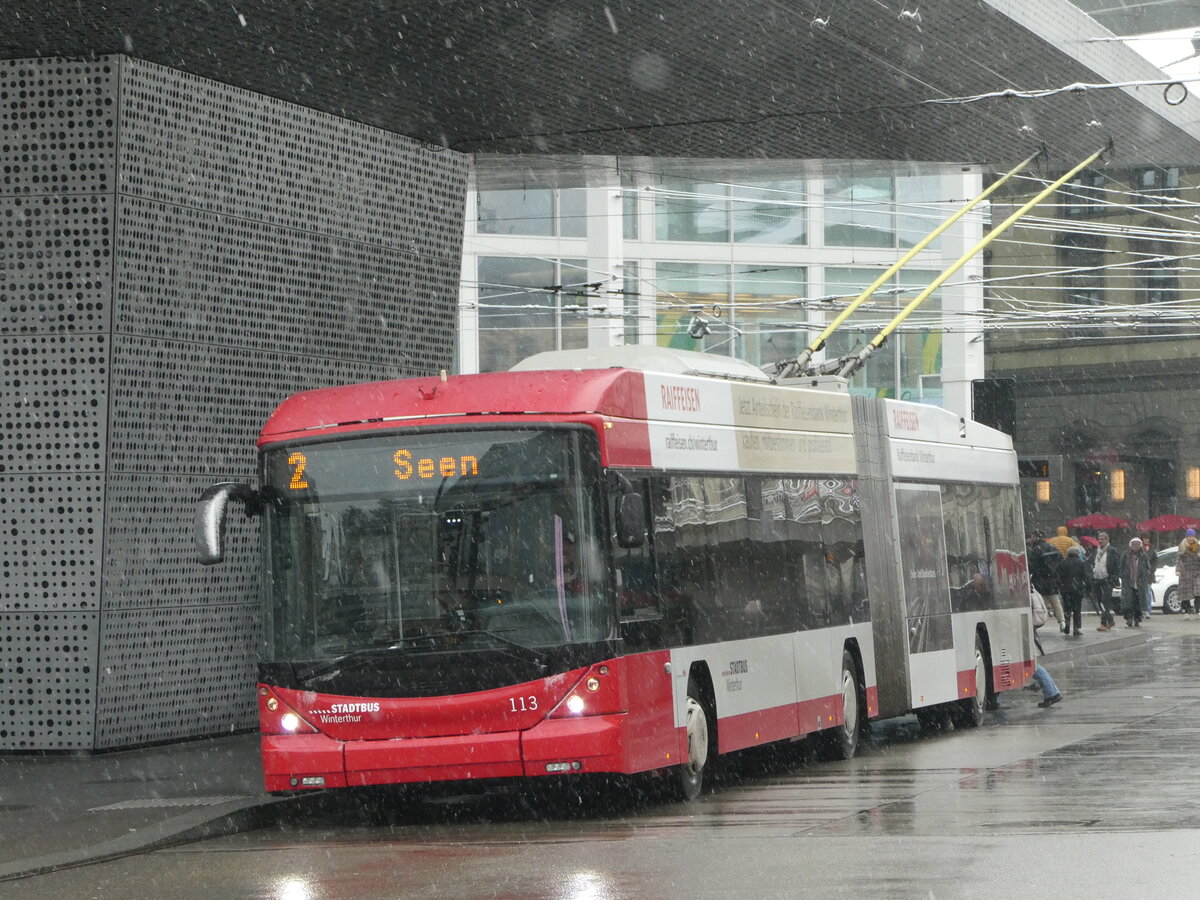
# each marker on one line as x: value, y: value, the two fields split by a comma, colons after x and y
x: 523, y: 704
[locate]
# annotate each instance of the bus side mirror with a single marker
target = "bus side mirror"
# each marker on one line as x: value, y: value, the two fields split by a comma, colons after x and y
x: 210, y: 518
x: 631, y: 520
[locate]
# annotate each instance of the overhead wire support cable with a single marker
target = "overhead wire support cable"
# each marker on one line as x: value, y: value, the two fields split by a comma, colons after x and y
x: 798, y: 365
x: 856, y: 362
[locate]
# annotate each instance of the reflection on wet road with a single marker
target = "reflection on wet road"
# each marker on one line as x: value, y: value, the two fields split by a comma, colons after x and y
x: 1073, y: 801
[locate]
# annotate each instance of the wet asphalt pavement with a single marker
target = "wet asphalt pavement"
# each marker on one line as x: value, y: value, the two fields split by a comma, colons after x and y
x: 1092, y: 798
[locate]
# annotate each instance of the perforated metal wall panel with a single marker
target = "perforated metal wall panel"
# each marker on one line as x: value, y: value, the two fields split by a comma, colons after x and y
x: 141, y: 695
x: 156, y: 303
x: 51, y: 541
x: 347, y: 299
x: 54, y: 389
x: 48, y: 681
x: 56, y: 263
x: 58, y: 122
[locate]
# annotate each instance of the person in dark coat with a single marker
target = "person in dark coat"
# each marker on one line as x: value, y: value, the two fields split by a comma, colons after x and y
x: 1136, y: 576
x: 1043, y: 561
x: 1105, y: 565
x: 1148, y: 589
x: 1074, y: 583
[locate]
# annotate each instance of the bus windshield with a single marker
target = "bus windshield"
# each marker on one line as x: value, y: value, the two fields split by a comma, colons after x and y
x: 475, y: 538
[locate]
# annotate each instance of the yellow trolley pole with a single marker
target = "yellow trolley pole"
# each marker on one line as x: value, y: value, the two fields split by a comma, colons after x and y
x: 801, y: 361
x: 856, y: 362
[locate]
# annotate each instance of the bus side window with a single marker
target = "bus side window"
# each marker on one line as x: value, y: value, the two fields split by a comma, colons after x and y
x: 838, y: 585
x: 819, y: 614
x: 770, y: 578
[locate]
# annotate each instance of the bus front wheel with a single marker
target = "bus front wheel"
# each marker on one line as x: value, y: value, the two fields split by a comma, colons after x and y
x: 969, y: 711
x: 690, y: 774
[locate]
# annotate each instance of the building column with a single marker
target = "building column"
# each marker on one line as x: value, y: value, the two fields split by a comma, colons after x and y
x: 962, y: 300
x: 606, y: 257
x: 468, y: 296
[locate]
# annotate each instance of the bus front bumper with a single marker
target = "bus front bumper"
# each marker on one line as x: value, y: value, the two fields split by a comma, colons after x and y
x: 554, y: 746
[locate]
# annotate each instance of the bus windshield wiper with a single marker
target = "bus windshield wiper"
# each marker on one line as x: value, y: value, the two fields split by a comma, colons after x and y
x: 335, y: 665
x: 428, y: 641
x: 524, y: 651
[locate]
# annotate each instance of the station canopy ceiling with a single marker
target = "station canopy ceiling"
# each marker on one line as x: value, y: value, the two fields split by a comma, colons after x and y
x: 768, y: 79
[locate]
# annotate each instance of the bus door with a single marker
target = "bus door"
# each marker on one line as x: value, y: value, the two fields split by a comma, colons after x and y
x: 639, y: 601
x: 932, y: 669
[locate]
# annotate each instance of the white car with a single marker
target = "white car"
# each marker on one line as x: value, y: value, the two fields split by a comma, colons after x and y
x: 1165, y: 590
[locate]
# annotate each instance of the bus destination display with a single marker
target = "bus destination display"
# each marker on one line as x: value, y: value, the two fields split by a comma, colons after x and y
x: 406, y: 466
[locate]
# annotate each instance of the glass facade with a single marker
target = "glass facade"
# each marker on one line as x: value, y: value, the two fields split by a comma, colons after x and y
x: 858, y: 212
x: 919, y: 209
x: 766, y: 212
x: 765, y: 314
x: 571, y: 324
x: 691, y: 211
x: 629, y: 208
x: 733, y: 267
x: 529, y: 211
x: 908, y: 365
x: 685, y: 290
x: 527, y: 306
x: 632, y: 303
x: 533, y: 211
x: 572, y: 212
x: 770, y: 212
x: 746, y: 308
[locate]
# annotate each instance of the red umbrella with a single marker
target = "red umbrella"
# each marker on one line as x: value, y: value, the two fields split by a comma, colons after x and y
x: 1169, y: 522
x: 1099, y: 521
x: 1089, y: 541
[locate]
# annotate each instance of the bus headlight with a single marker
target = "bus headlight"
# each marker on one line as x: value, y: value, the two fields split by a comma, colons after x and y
x: 575, y: 704
x: 290, y: 722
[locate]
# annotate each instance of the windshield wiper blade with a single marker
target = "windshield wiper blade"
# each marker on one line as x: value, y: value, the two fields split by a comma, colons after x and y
x: 335, y: 665
x: 437, y: 640
x: 525, y: 651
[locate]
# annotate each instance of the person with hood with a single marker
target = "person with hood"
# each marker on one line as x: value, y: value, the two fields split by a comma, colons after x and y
x: 1148, y: 590
x: 1187, y: 567
x: 1105, y: 568
x: 1043, y: 562
x: 1062, y: 542
x: 1073, y: 581
x: 1135, y: 576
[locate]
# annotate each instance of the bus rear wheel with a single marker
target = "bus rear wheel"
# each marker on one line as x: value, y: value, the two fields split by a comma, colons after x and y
x: 690, y: 775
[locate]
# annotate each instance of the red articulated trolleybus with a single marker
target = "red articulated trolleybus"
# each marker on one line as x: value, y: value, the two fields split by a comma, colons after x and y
x: 619, y: 561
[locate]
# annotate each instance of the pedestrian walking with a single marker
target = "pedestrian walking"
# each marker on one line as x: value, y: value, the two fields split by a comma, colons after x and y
x: 1043, y: 561
x: 1050, y: 692
x: 1062, y: 542
x: 1074, y: 581
x: 1104, y: 572
x: 1135, y: 575
x: 1187, y: 567
x: 1148, y: 590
